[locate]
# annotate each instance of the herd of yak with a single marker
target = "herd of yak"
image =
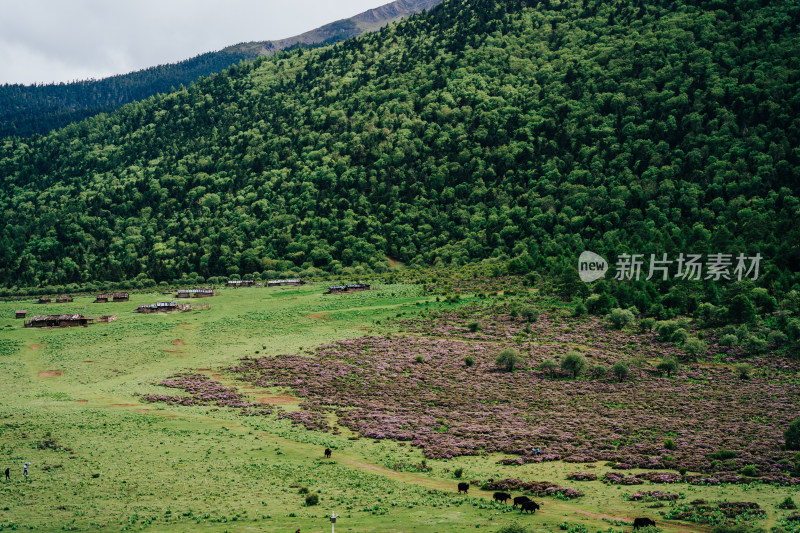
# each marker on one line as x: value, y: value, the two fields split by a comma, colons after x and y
x: 526, y: 504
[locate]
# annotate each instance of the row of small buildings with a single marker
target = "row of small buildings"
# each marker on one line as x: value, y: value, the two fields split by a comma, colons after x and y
x: 117, y: 297
x: 72, y: 320
x: 113, y: 297
x: 64, y: 298
x: 182, y: 293
x: 68, y: 321
x: 100, y: 299
x: 271, y: 283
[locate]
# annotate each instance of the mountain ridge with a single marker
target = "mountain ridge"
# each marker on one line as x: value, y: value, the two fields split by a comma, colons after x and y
x: 368, y: 21
x: 36, y: 109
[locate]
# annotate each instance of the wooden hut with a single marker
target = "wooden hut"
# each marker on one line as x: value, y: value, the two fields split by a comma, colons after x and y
x: 44, y: 299
x: 120, y: 297
x: 64, y: 298
x: 281, y: 282
x: 162, y: 307
x: 21, y: 313
x: 335, y: 288
x: 240, y: 283
x: 354, y: 287
x: 102, y: 298
x: 57, y: 321
x: 194, y: 293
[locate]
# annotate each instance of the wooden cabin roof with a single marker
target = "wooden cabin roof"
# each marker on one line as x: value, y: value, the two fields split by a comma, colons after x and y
x: 195, y: 290
x: 41, y: 318
x: 158, y: 304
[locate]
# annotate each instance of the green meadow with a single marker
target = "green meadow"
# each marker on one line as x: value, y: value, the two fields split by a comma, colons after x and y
x: 101, y: 459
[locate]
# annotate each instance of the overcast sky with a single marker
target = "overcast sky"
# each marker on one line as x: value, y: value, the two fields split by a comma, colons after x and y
x: 42, y: 41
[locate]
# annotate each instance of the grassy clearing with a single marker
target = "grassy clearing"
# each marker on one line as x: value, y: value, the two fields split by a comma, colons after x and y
x: 103, y: 460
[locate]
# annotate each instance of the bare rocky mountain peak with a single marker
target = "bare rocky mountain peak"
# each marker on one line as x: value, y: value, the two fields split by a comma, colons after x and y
x: 395, y: 10
x: 370, y: 20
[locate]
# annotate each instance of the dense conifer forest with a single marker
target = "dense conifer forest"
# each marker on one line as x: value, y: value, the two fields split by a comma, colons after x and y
x: 518, y: 132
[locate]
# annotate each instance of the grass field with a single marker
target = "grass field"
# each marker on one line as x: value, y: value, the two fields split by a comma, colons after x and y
x: 102, y: 459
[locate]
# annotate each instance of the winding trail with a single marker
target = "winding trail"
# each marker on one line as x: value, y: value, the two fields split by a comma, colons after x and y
x: 550, y: 507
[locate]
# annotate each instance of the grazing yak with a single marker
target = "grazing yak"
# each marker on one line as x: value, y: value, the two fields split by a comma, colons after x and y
x: 519, y: 500
x: 530, y: 506
x: 501, y: 497
x: 643, y: 522
x: 463, y: 487
x: 327, y: 453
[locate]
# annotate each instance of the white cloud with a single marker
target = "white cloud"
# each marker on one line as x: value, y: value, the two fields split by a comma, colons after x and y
x: 57, y: 40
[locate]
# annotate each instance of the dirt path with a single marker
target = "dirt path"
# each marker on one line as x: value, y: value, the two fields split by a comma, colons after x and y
x: 278, y: 399
x: 554, y: 508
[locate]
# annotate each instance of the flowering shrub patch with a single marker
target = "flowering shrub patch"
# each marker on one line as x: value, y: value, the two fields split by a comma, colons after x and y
x: 205, y: 391
x: 537, y: 488
x: 313, y: 420
x: 417, y: 388
x: 377, y: 388
x: 618, y: 478
x: 582, y: 476
x: 661, y: 477
x: 722, y: 513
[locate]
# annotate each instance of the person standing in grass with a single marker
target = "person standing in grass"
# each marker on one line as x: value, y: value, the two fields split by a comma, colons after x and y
x: 8, y: 474
x: 25, y: 470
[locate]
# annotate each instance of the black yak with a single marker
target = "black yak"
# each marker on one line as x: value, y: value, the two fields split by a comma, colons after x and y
x: 501, y: 497
x: 519, y: 500
x: 327, y: 453
x: 642, y: 522
x: 463, y: 487
x: 529, y: 506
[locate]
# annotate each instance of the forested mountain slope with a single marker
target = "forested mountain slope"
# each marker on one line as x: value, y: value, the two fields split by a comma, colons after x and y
x: 482, y: 128
x: 29, y: 109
